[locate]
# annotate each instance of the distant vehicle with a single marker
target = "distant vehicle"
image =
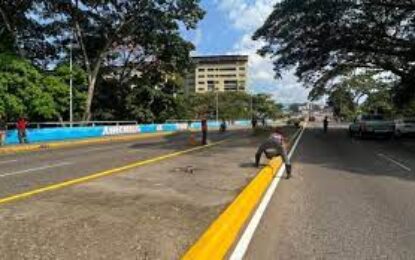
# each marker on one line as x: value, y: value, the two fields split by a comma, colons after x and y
x: 371, y: 125
x: 405, y: 127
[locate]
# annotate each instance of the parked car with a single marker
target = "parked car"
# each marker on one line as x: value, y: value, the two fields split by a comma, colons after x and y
x: 404, y: 127
x: 371, y: 125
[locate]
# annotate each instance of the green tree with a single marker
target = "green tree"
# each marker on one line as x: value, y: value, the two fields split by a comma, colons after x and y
x: 266, y: 107
x: 130, y: 35
x: 342, y: 102
x: 323, y: 39
x: 379, y: 102
x: 232, y: 106
x: 24, y: 90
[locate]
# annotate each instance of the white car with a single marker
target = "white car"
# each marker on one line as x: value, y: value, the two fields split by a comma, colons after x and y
x: 404, y: 127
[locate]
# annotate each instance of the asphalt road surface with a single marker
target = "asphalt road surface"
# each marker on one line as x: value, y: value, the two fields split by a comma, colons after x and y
x: 349, y: 199
x: 28, y: 171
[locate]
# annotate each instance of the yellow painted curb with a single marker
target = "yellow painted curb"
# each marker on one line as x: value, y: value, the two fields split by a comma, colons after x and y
x: 56, y: 145
x: 101, y: 174
x: 221, y: 235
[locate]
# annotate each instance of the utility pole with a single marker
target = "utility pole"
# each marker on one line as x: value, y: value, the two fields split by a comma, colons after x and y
x: 70, y: 82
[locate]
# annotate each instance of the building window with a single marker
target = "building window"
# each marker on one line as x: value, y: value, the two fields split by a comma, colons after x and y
x: 201, y: 89
x: 231, y: 82
x: 242, y: 75
x: 211, y: 69
x: 211, y: 76
x: 227, y: 69
x: 201, y: 70
x: 201, y: 76
x: 201, y: 82
x: 228, y: 76
x: 242, y: 68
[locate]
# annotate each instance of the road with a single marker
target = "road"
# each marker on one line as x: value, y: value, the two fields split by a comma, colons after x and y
x: 349, y: 199
x: 28, y: 171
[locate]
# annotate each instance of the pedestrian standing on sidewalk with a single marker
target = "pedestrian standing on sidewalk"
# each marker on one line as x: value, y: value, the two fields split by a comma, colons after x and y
x: 274, y: 146
x: 204, y: 131
x: 21, y: 130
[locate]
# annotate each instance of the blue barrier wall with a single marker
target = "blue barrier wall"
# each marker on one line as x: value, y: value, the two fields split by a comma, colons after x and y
x: 66, y: 133
x: 55, y: 134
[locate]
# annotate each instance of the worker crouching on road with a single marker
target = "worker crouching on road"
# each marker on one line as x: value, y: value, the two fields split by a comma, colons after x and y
x: 274, y: 146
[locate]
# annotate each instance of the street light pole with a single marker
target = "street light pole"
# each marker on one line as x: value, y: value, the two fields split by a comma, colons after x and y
x: 70, y: 83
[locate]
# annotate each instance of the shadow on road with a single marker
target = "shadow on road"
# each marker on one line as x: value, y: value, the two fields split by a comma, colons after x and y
x: 336, y: 150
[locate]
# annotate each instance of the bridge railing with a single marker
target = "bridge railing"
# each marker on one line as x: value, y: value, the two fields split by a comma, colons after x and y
x: 56, y: 131
x: 40, y: 125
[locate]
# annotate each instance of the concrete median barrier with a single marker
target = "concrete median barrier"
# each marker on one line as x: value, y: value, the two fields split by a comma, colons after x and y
x: 219, y: 238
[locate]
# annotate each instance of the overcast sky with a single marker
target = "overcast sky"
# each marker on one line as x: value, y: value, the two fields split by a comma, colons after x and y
x: 227, y: 29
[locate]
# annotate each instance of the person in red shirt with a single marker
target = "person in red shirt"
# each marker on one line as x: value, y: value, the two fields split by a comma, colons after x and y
x: 21, y: 130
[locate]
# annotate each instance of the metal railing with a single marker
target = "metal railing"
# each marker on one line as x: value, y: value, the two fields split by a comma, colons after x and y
x: 72, y: 124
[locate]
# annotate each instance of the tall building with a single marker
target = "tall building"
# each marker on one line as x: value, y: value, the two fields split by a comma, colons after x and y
x: 224, y: 73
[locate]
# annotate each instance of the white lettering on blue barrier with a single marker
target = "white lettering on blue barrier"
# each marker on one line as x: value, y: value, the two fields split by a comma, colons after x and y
x: 181, y: 127
x: 120, y: 130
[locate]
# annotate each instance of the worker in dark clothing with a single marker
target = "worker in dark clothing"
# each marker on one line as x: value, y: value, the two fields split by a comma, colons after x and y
x: 21, y: 130
x: 274, y: 146
x: 326, y: 124
x: 254, y: 122
x: 204, y: 131
x: 223, y: 126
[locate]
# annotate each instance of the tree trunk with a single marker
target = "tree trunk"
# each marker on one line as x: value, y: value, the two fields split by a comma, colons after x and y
x: 88, y: 104
x: 92, y: 79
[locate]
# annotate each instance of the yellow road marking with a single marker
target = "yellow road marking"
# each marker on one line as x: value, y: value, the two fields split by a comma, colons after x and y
x: 101, y: 174
x: 221, y: 235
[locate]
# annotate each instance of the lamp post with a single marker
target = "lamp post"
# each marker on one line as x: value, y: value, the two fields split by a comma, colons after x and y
x: 70, y: 82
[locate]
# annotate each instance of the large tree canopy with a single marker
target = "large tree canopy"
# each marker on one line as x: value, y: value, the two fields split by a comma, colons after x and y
x: 136, y: 35
x: 326, y: 38
x: 26, y: 91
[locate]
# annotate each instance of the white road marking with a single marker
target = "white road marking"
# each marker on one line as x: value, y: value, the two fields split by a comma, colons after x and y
x: 35, y: 169
x: 8, y: 161
x: 395, y: 162
x: 246, y: 238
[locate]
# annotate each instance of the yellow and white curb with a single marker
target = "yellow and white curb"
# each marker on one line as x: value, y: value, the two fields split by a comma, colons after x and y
x: 221, y: 235
x: 218, y: 240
